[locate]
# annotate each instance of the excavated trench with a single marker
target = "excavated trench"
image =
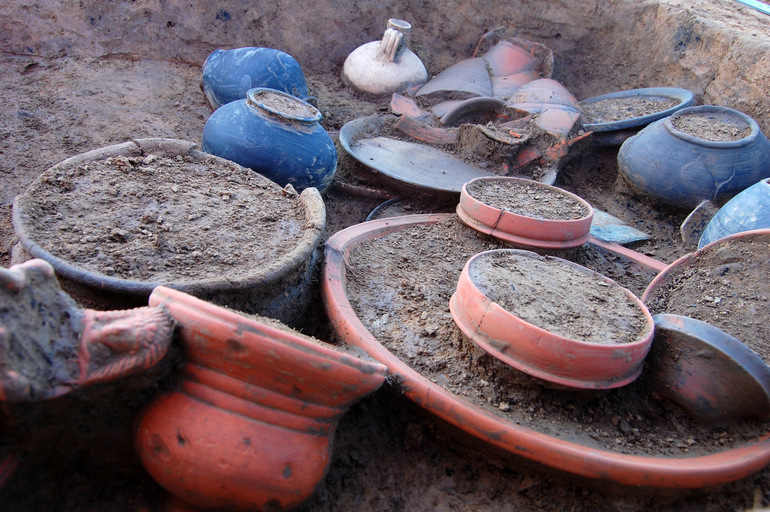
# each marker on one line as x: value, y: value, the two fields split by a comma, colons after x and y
x: 82, y: 75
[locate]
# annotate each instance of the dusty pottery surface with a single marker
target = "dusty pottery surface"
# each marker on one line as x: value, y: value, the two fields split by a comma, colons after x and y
x: 624, y: 108
x: 556, y: 297
x: 40, y: 335
x: 286, y: 105
x: 530, y: 201
x: 158, y: 219
x: 715, y: 129
x: 410, y: 318
x: 78, y: 76
x: 728, y: 289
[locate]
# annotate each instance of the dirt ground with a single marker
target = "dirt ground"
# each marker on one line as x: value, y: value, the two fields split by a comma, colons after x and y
x: 77, y: 76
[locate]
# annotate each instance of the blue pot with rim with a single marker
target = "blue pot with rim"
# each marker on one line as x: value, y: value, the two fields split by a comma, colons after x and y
x: 276, y: 135
x: 229, y: 74
x: 679, y: 169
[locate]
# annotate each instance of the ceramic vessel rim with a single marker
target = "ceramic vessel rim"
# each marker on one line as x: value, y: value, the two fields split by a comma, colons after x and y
x: 724, y: 344
x: 644, y: 337
x: 253, y: 101
x: 690, y: 257
x: 748, y: 139
x: 684, y: 96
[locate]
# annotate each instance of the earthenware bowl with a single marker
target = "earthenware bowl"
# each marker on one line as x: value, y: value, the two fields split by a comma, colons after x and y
x: 747, y: 211
x: 227, y: 75
x: 252, y: 422
x: 684, y: 98
x: 570, y: 362
x: 508, y: 436
x: 280, y: 290
x: 520, y: 229
x: 680, y: 170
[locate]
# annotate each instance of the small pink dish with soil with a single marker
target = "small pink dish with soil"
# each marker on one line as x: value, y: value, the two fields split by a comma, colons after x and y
x: 525, y: 213
x: 553, y: 319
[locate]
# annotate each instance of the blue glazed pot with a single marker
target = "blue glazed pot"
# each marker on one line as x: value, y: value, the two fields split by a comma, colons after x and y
x: 229, y: 74
x: 679, y: 169
x: 747, y: 211
x: 276, y: 135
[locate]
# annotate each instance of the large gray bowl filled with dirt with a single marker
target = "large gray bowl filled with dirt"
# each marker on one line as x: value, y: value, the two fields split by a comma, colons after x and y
x: 116, y: 222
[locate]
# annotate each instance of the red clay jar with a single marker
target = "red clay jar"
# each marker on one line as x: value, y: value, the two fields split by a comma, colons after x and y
x: 512, y: 438
x: 251, y: 425
x: 521, y: 230
x: 543, y: 354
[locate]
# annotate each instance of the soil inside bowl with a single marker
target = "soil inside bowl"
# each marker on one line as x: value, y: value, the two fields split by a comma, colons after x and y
x: 711, y: 126
x: 619, y: 109
x: 163, y: 219
x: 529, y: 199
x: 727, y: 288
x: 285, y: 105
x: 410, y: 316
x: 557, y: 297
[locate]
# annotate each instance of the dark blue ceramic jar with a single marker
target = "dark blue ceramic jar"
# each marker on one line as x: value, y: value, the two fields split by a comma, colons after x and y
x: 229, y: 74
x: 679, y: 169
x: 276, y: 135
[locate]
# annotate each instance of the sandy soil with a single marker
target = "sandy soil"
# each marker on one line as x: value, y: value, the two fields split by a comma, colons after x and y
x: 78, y: 76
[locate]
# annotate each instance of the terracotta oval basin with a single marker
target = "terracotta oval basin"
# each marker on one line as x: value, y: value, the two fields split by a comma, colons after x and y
x: 599, y: 361
x: 522, y: 228
x: 693, y: 472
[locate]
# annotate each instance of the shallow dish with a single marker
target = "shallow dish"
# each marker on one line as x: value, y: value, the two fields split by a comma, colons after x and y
x: 684, y: 97
x: 509, y: 436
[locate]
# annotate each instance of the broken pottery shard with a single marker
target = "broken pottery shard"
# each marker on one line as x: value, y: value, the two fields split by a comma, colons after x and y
x: 48, y: 346
x: 558, y: 123
x: 693, y: 226
x: 473, y: 110
x: 468, y: 76
x: 543, y: 94
x: 611, y: 229
x: 402, y: 105
x: 500, y: 72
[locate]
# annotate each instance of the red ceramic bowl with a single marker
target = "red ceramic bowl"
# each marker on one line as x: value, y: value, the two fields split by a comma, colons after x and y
x: 560, y: 454
x: 522, y: 230
x: 538, y: 352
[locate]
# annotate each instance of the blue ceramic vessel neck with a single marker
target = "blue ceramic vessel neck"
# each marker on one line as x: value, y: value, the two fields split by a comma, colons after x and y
x: 254, y: 100
x: 707, y: 109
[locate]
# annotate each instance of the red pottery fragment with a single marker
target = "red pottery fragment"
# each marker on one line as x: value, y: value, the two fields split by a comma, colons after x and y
x: 58, y: 347
x: 252, y: 423
x: 402, y: 105
x: 634, y: 470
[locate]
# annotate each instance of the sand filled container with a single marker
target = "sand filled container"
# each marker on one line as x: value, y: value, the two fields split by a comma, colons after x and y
x: 553, y: 319
x: 386, y: 288
x: 525, y: 213
x: 119, y: 221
